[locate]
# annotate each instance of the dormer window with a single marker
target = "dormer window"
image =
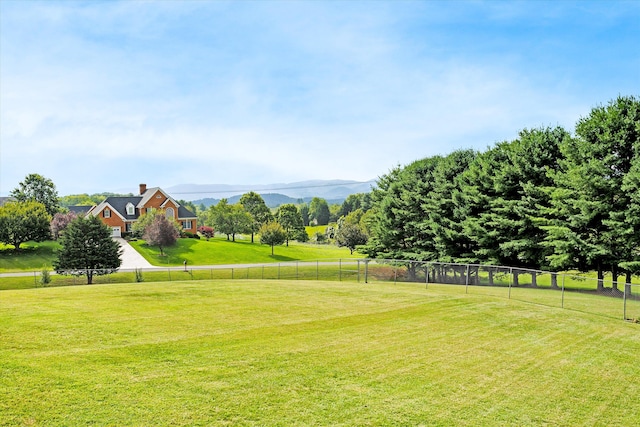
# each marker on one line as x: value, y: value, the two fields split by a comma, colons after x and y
x: 131, y: 210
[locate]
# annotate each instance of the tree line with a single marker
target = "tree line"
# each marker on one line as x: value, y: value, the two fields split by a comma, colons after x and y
x: 547, y: 200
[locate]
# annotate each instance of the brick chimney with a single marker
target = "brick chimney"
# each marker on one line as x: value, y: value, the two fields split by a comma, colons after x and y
x: 143, y: 188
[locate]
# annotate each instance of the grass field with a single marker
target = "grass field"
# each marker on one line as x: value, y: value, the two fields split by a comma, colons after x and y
x: 31, y: 256
x: 288, y: 353
x: 34, y: 256
x: 220, y: 251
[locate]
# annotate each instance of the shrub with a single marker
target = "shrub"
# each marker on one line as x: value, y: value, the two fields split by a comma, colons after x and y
x: 45, y: 276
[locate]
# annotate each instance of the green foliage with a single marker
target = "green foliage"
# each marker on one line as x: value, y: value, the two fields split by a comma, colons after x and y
x: 254, y: 204
x: 87, y: 249
x: 272, y: 234
x: 45, y: 276
x: 21, y: 222
x: 36, y: 188
x: 290, y: 219
x: 319, y: 213
x: 593, y: 201
x: 230, y: 219
x: 350, y: 235
x: 87, y: 199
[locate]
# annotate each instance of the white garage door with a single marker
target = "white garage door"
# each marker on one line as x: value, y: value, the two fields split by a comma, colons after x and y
x: 116, y: 232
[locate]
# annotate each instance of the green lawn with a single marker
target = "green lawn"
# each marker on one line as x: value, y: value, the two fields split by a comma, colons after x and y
x: 219, y: 251
x: 296, y: 353
x: 31, y: 256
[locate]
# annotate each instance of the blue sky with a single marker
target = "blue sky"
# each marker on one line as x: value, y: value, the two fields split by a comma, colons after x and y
x: 104, y: 95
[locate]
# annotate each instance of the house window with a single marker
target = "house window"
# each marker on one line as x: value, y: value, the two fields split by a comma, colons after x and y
x: 107, y: 213
x: 127, y: 227
x: 131, y: 210
x: 169, y: 213
x: 148, y: 209
x: 186, y: 225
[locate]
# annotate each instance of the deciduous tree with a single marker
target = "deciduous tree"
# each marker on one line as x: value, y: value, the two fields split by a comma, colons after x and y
x: 272, y: 234
x: 319, y: 211
x: 161, y: 232
x: 290, y: 219
x: 21, y: 222
x: 350, y: 235
x: 37, y: 188
x: 59, y: 222
x: 254, y: 204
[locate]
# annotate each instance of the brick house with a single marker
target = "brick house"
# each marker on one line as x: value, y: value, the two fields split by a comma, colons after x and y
x: 121, y: 212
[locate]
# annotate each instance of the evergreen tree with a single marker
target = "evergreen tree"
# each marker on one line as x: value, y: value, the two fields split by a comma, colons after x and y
x: 87, y: 249
x: 590, y: 198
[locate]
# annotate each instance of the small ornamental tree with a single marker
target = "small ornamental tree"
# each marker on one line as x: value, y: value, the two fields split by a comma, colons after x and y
x: 23, y: 221
x: 59, y: 222
x: 350, y: 235
x: 206, y: 231
x: 161, y: 232
x: 272, y: 234
x: 87, y: 249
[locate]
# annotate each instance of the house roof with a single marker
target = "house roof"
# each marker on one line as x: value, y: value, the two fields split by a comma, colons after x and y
x: 119, y: 205
x: 79, y: 209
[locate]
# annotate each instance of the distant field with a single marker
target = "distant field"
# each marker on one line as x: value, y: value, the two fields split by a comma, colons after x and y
x: 197, y: 252
x: 219, y: 251
x: 32, y: 256
x: 298, y: 353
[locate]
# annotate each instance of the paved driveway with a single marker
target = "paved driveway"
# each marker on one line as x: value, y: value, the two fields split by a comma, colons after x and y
x: 131, y: 259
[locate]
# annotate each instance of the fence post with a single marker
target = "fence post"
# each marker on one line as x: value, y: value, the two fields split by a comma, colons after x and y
x: 317, y: 270
x: 624, y: 303
x: 358, y: 261
x: 426, y: 276
x: 562, y: 302
x: 466, y: 280
x: 263, y: 272
x: 297, y: 270
x: 278, y: 271
x: 340, y: 270
x: 510, y: 280
x: 366, y: 271
x: 231, y: 273
x: 395, y: 274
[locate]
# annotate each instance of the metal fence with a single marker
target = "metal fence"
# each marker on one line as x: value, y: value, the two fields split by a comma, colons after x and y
x: 564, y: 290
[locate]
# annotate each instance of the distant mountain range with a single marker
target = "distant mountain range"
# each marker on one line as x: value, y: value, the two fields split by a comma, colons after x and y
x: 334, y: 191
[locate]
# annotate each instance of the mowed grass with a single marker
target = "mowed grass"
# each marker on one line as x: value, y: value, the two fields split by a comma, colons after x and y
x: 31, y: 256
x: 296, y: 353
x: 219, y: 251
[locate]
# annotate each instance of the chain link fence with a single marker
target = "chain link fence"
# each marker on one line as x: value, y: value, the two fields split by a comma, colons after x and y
x: 562, y: 290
